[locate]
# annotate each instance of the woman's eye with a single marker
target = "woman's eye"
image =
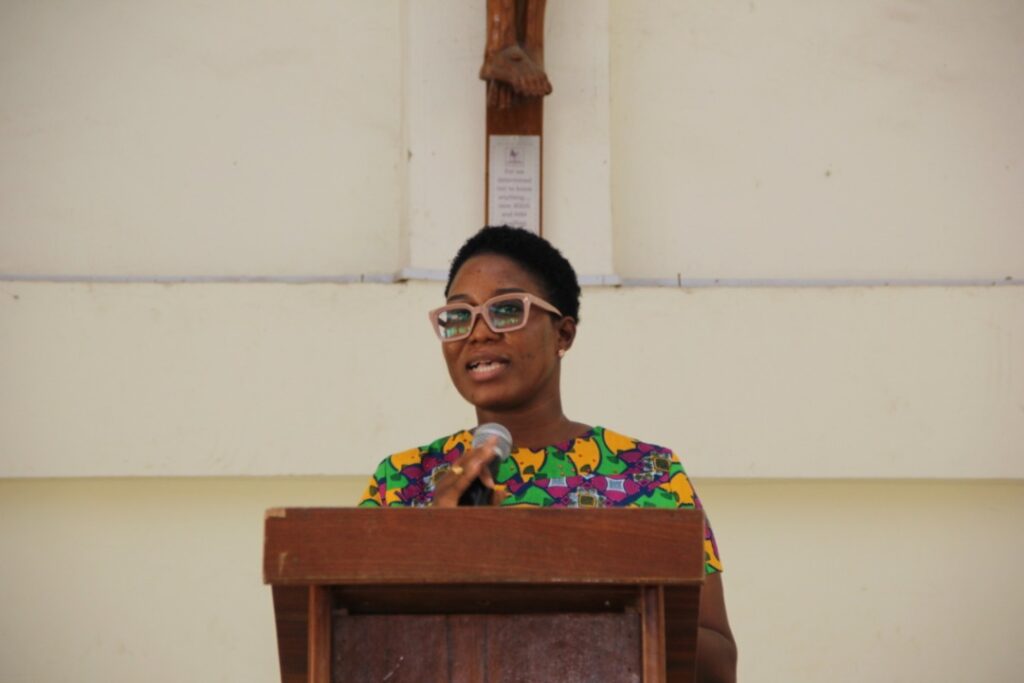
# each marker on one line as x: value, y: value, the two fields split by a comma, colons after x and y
x: 456, y: 317
x: 508, y: 309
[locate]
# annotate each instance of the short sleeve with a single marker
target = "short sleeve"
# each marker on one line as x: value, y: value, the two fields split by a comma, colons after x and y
x: 679, y: 485
x: 397, y: 481
x: 376, y: 490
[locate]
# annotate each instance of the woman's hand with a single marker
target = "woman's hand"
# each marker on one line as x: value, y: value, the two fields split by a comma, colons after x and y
x: 472, y: 465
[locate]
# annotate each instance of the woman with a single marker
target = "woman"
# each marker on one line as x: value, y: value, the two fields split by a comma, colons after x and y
x: 510, y: 318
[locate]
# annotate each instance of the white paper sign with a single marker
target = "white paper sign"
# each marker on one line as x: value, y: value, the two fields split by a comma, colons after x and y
x: 513, y: 192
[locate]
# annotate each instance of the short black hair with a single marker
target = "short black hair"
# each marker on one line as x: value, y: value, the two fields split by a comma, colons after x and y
x: 535, y: 254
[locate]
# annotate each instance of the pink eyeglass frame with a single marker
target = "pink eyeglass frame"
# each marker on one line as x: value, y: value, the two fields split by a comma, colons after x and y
x: 476, y: 311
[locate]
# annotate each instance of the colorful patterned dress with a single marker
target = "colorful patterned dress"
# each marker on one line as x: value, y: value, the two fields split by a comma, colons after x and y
x: 601, y: 468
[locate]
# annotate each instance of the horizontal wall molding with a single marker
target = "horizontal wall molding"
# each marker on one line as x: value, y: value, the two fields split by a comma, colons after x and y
x: 586, y: 280
x: 691, y: 283
x: 384, y: 278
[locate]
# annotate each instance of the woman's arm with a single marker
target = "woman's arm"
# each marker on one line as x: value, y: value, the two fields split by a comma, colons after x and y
x: 716, y: 649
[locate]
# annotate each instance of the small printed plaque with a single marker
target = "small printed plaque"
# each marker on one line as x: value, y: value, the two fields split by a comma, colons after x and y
x: 513, y: 189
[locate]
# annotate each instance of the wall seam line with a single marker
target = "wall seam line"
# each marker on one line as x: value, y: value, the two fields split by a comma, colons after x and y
x: 588, y: 280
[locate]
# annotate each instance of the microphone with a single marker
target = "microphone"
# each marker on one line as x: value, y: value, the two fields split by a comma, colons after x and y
x: 478, y: 494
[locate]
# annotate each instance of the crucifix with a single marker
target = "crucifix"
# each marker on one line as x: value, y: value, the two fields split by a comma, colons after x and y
x: 516, y: 83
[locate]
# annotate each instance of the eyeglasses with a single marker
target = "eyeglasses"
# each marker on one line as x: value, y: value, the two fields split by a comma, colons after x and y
x: 503, y: 313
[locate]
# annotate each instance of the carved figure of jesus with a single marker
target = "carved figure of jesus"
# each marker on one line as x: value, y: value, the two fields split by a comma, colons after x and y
x: 514, y: 55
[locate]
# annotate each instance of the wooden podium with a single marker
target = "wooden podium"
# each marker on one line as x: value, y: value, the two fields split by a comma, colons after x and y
x: 485, y: 595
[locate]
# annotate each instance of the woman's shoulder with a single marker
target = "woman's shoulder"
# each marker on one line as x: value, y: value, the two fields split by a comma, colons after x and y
x: 617, y: 442
x: 406, y: 477
x: 438, y: 448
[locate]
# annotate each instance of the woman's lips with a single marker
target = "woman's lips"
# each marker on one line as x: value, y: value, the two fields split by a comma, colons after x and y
x: 484, y: 370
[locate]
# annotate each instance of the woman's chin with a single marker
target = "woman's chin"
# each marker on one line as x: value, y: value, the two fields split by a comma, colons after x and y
x: 490, y: 399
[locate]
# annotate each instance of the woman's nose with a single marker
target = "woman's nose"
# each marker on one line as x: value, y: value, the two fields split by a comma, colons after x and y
x: 481, y: 330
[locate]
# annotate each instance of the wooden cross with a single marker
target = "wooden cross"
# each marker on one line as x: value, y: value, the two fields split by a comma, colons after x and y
x: 516, y: 84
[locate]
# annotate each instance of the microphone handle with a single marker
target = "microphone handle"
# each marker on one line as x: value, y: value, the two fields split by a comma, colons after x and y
x: 477, y: 494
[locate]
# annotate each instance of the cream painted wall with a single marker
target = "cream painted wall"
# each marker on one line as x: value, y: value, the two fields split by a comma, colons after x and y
x: 227, y: 379
x: 748, y: 141
x: 112, y: 580
x: 830, y: 140
x: 199, y: 139
x: 271, y: 141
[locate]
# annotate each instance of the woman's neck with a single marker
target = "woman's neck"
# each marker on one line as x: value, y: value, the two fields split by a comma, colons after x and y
x: 536, y: 426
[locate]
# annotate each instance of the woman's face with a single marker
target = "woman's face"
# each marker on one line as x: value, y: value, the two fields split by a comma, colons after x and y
x: 508, y: 371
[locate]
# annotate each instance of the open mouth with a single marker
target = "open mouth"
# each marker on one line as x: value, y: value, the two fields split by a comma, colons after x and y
x: 485, y: 369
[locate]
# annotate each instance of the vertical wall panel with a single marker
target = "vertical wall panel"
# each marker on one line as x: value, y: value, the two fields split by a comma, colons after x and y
x: 212, y: 139
x: 826, y: 140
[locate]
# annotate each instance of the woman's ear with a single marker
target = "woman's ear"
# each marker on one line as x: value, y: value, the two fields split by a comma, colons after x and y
x: 566, y: 335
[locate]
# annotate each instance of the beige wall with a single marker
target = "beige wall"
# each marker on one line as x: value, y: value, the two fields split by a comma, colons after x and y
x: 159, y: 579
x: 859, y: 447
x: 159, y: 139
x: 277, y: 379
x: 831, y: 140
x: 865, y: 141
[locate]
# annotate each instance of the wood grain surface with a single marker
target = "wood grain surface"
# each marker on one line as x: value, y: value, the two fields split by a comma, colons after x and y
x: 485, y: 594
x: 567, y: 648
x: 483, y: 546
